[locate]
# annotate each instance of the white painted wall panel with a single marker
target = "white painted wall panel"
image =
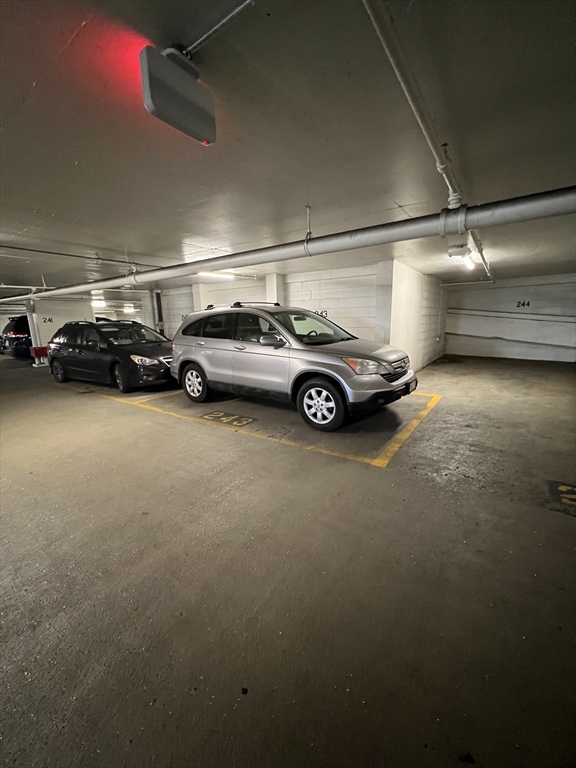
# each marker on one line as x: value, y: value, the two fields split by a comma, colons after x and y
x: 417, y: 315
x: 237, y: 290
x: 348, y: 295
x: 176, y: 304
x: 529, y: 318
x: 51, y: 314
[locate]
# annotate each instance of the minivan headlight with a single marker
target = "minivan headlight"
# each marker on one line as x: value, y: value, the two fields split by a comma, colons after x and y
x: 139, y: 360
x: 365, y: 367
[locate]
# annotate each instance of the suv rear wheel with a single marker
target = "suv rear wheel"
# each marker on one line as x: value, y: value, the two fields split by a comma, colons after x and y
x: 195, y: 384
x: 321, y: 405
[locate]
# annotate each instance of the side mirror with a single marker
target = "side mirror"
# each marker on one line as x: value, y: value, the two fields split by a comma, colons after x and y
x: 93, y: 345
x: 272, y: 340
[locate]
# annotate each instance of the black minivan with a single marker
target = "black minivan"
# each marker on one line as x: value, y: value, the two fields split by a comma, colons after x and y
x: 127, y: 354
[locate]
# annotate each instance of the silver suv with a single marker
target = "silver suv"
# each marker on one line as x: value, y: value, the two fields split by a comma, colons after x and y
x: 289, y: 354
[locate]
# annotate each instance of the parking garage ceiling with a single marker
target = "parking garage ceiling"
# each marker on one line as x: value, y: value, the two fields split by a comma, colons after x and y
x: 308, y: 112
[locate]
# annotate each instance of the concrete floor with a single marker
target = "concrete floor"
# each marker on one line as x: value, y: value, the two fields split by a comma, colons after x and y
x: 176, y: 595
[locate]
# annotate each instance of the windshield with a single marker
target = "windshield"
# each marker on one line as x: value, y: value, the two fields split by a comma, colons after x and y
x: 310, y: 328
x: 124, y: 334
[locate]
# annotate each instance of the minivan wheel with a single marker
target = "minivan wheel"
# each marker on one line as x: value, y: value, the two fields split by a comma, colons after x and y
x: 59, y: 372
x: 195, y: 384
x: 121, y: 380
x: 321, y: 405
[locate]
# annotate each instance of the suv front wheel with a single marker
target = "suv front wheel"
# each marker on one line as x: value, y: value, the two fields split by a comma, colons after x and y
x: 321, y: 405
x: 58, y: 371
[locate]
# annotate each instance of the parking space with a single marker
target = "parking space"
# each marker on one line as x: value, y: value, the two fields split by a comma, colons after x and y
x: 372, y: 439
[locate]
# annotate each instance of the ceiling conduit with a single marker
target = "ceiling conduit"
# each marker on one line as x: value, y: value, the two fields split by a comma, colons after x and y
x: 455, y: 221
x: 384, y: 26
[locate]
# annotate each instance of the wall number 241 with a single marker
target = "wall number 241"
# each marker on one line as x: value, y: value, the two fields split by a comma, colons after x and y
x: 522, y: 303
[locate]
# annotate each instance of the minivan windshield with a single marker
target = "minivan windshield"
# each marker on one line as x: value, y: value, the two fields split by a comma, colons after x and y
x: 124, y: 334
x: 310, y: 328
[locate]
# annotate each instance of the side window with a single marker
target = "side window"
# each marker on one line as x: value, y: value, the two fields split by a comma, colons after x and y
x: 251, y: 327
x: 88, y: 334
x: 219, y: 326
x: 194, y: 329
x: 68, y: 335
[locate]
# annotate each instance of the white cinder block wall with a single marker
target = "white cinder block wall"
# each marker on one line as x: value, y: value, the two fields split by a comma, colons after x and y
x: 241, y: 289
x: 177, y: 303
x: 348, y: 296
x: 530, y: 318
x: 418, y: 315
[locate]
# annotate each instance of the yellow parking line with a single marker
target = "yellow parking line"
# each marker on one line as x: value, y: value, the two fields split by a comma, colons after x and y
x: 157, y: 397
x: 381, y: 461
x: 396, y: 443
x: 282, y: 440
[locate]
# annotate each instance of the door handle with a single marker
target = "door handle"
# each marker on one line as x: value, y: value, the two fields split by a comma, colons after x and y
x: 240, y: 347
x: 200, y: 343
x: 80, y: 351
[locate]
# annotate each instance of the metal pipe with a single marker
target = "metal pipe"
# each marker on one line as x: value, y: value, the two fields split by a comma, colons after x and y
x: 466, y: 282
x: 95, y: 258
x: 384, y: 26
x: 218, y: 28
x: 475, y: 235
x: 447, y: 222
x: 558, y: 202
x: 31, y: 287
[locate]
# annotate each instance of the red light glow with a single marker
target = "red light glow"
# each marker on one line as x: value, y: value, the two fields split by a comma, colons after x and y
x: 109, y: 59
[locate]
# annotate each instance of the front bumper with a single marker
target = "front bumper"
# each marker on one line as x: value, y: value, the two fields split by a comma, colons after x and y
x: 369, y: 389
x: 149, y: 375
x: 379, y: 399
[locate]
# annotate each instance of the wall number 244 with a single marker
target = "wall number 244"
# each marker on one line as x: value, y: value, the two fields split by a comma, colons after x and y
x: 522, y: 303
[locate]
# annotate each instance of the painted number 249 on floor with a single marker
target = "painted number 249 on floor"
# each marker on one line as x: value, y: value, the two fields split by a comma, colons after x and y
x: 228, y: 418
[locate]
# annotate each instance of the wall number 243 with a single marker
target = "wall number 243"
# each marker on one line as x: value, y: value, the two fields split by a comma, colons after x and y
x: 522, y: 303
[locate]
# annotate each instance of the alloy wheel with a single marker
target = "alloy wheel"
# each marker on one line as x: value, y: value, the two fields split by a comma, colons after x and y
x: 319, y: 405
x: 194, y: 383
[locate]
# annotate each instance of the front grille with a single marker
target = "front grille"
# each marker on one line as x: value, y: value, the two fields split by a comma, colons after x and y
x: 401, y: 365
x: 390, y: 377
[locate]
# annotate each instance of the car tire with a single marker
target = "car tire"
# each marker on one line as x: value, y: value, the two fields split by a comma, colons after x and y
x: 120, y: 378
x: 321, y: 405
x: 59, y: 372
x: 195, y: 384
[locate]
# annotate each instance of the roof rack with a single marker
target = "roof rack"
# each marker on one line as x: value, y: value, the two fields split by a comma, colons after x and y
x: 238, y: 304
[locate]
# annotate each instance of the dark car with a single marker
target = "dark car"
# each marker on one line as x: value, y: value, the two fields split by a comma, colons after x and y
x: 127, y: 354
x: 16, y: 339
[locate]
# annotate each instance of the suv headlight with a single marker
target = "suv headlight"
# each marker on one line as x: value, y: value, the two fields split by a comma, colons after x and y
x: 365, y: 367
x: 139, y: 360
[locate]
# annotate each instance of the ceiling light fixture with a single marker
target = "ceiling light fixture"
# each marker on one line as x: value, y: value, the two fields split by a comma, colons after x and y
x: 129, y: 309
x: 219, y: 275
x: 462, y: 255
x: 98, y: 304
